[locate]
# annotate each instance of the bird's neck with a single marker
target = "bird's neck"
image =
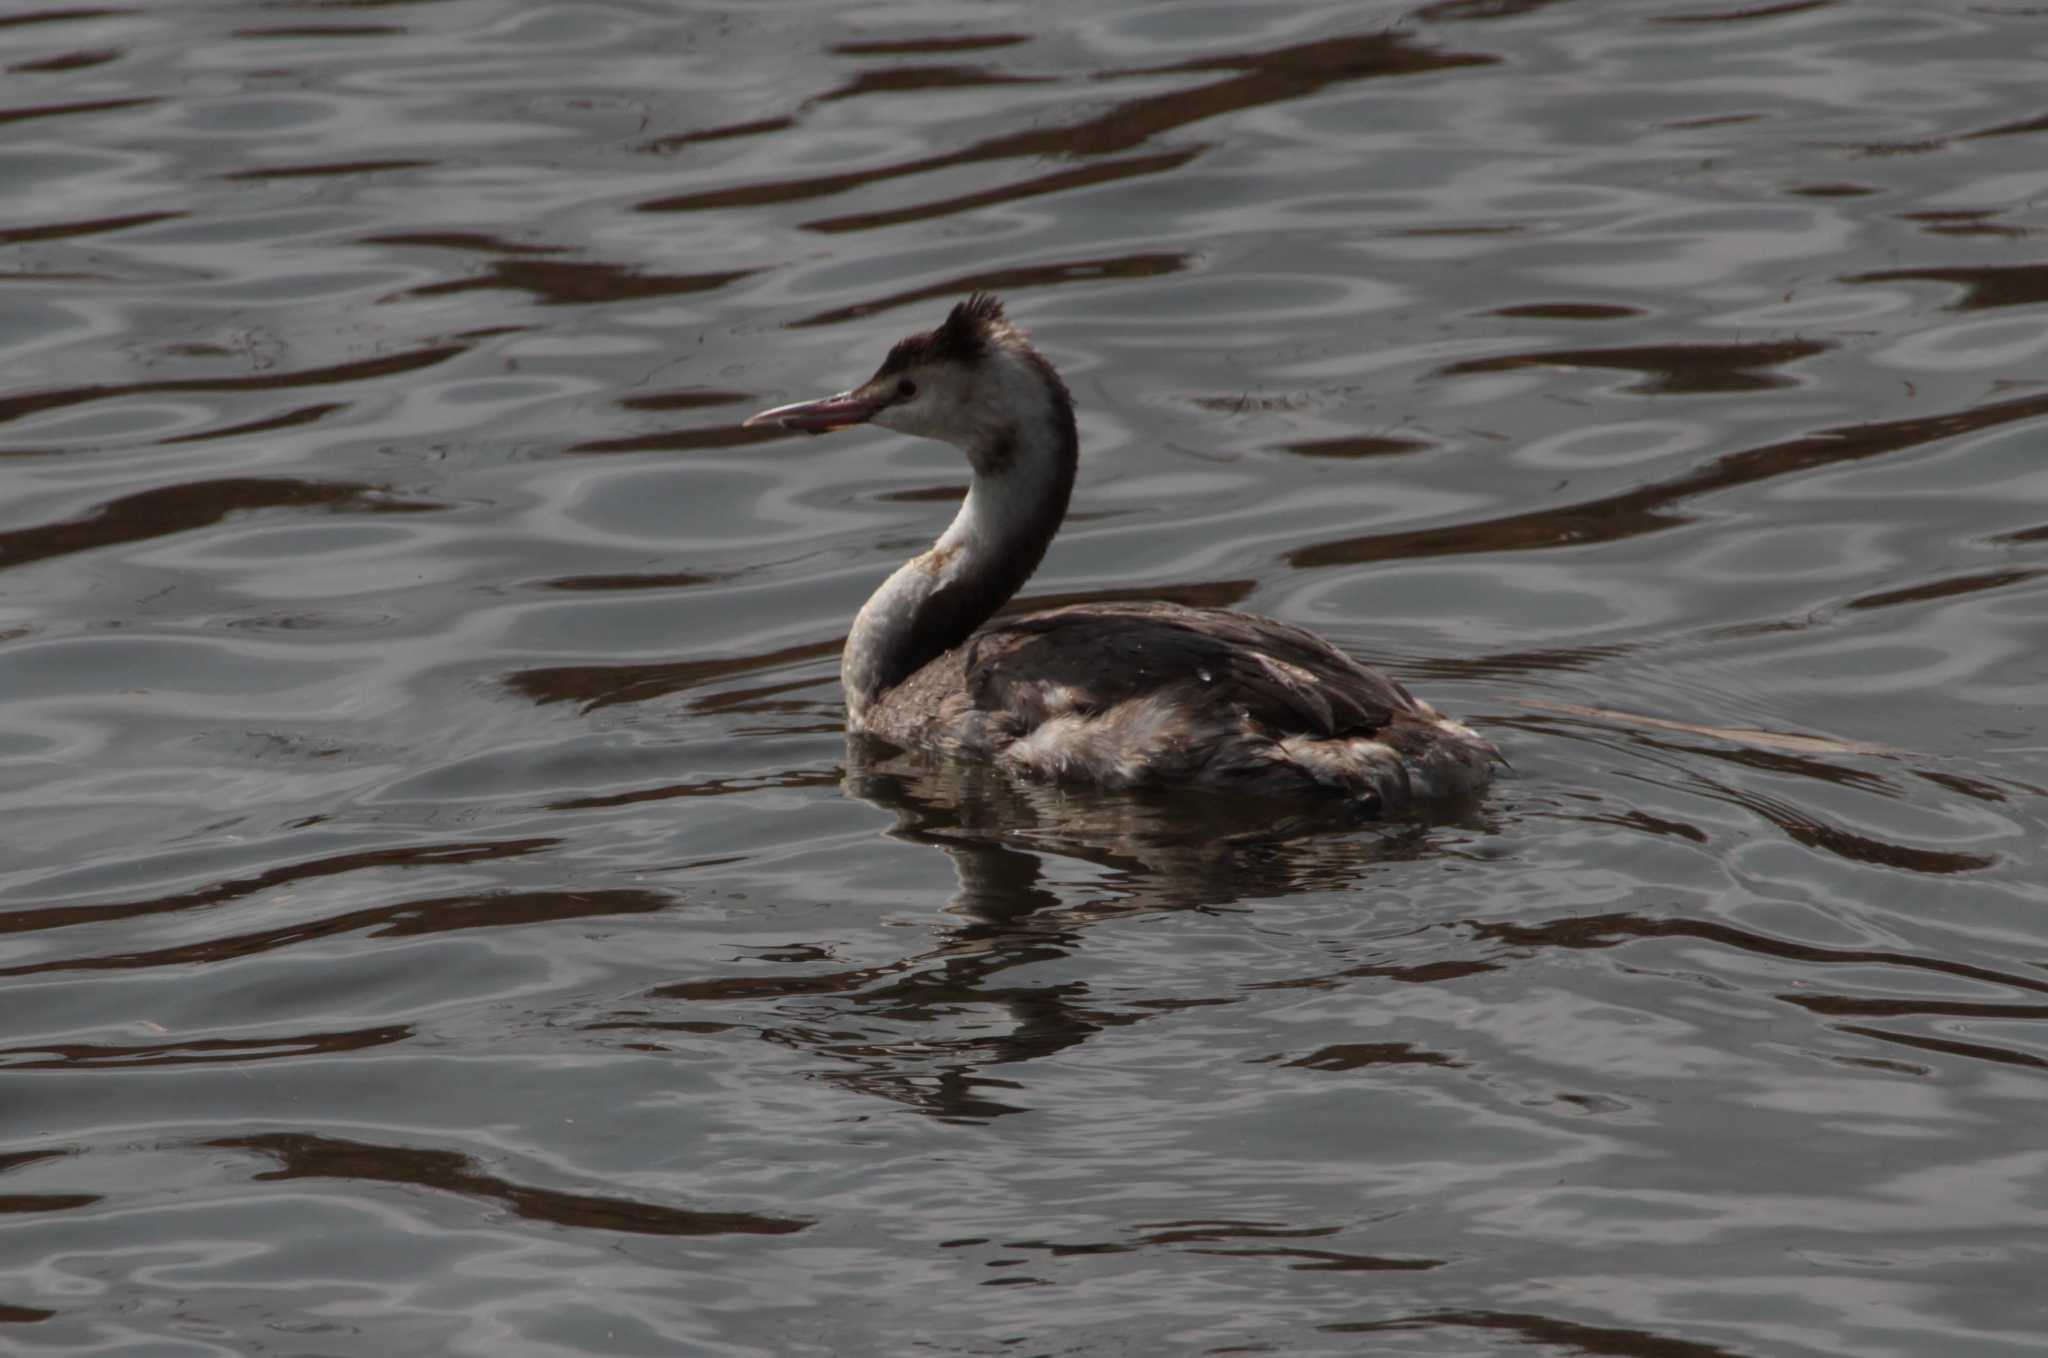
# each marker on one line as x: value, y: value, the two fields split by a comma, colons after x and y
x: 1023, y: 476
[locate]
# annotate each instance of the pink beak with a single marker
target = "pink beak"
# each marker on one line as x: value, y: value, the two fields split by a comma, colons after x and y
x: 820, y: 417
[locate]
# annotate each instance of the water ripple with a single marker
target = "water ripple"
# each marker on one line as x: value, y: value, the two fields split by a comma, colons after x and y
x: 441, y: 912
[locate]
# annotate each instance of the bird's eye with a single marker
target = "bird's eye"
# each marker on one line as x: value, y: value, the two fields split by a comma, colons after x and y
x: 905, y: 389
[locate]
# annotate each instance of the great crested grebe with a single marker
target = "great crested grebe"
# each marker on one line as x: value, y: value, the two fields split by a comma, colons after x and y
x: 1122, y: 695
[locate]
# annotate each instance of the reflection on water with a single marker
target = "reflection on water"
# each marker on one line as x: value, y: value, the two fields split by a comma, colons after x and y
x: 442, y: 914
x: 1162, y: 852
x: 314, y: 1157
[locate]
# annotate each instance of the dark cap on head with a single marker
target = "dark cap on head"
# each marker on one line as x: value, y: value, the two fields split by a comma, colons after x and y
x: 965, y: 335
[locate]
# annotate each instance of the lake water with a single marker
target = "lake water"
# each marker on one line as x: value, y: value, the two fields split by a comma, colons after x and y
x: 442, y: 913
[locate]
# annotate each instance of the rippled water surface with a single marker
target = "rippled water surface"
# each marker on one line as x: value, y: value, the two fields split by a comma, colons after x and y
x: 442, y: 912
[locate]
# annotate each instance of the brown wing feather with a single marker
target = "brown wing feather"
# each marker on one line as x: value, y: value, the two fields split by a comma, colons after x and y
x: 1091, y: 657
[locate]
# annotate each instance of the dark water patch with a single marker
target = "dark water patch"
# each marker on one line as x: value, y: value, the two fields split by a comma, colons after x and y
x: 1057, y: 1249
x: 600, y: 686
x: 1651, y: 509
x: 37, y: 918
x: 336, y: 374
x: 1865, y: 1006
x: 1330, y: 1261
x: 59, y: 16
x: 1975, y: 788
x: 1669, y: 369
x: 1950, y: 588
x: 1479, y: 11
x: 637, y: 1022
x: 935, y: 1076
x: 1150, y: 264
x: 1566, y: 1336
x: 936, y: 45
x: 1260, y: 78
x: 1786, y: 762
x: 1061, y: 181
x: 25, y: 1203
x: 234, y: 1051
x: 1879, y: 150
x: 506, y: 910
x: 1192, y: 594
x: 1364, y: 1055
x: 1425, y: 973
x: 1357, y: 446
x: 1810, y: 830
x: 719, y: 990
x: 327, y: 170
x: 2024, y: 127
x: 304, y: 1155
x: 709, y: 787
x: 1247, y: 402
x: 1204, y: 1232
x: 1282, y: 74
x: 269, y: 424
x: 925, y: 495
x: 910, y: 79
x: 1712, y: 120
x: 943, y: 1080
x: 760, y: 127
x: 769, y: 700
x: 322, y: 31
x: 1983, y: 286
x: 403, y: 919
x: 1645, y: 823
x: 1833, y: 190
x: 949, y: 1097
x: 22, y: 115
x: 1948, y: 1046
x: 1966, y: 225
x: 469, y: 242
x: 46, y: 276
x: 553, y: 282
x: 1568, y: 311
x: 606, y: 584
x: 1748, y: 14
x: 168, y: 510
x: 1620, y: 927
x: 68, y: 61
x: 1510, y: 664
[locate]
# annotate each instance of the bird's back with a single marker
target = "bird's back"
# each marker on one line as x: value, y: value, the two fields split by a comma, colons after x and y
x: 1158, y: 695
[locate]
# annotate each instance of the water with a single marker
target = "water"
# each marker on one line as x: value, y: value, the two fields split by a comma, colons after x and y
x: 442, y: 913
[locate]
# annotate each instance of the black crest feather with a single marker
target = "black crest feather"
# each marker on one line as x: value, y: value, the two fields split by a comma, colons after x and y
x: 969, y: 327
x: 965, y: 335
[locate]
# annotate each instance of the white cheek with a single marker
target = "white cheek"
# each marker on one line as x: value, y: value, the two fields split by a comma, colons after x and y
x: 912, y: 418
x: 933, y: 414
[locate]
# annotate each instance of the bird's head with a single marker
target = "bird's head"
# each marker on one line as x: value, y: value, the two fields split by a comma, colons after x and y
x: 968, y: 383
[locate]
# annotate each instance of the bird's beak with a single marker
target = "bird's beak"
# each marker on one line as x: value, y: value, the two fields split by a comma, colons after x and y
x: 821, y: 417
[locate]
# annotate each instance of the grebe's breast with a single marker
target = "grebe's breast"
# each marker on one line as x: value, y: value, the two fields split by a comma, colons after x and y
x: 1158, y: 695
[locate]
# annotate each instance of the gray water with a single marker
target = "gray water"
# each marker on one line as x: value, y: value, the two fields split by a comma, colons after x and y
x: 443, y: 916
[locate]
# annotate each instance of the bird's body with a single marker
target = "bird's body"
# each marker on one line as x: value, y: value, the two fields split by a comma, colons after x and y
x: 1137, y: 695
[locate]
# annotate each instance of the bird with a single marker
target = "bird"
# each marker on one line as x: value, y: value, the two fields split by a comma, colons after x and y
x: 1124, y: 696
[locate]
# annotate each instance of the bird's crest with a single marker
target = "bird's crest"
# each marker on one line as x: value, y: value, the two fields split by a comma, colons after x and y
x: 969, y: 331
x: 971, y: 327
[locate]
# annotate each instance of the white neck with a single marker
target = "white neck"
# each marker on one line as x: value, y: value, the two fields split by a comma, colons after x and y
x: 1023, y: 474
